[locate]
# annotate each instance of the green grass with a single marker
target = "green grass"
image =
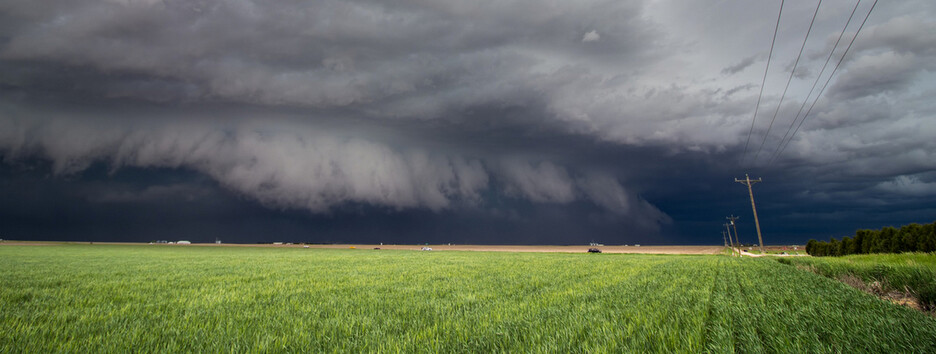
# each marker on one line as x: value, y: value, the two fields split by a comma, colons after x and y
x: 913, y: 273
x: 97, y: 298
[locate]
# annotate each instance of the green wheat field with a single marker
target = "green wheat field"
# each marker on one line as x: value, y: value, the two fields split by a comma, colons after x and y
x: 118, y: 298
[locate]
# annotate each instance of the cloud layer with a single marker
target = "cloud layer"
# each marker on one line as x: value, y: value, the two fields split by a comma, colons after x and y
x: 294, y: 165
x: 448, y: 105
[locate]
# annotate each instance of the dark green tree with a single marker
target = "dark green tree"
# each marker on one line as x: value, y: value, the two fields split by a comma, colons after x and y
x: 927, y: 240
x: 834, y: 247
x: 892, y: 235
x: 858, y: 241
x: 847, y: 246
x: 909, y: 236
x: 811, y: 247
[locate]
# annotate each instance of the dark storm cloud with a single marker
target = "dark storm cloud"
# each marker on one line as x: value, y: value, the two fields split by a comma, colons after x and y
x: 295, y: 165
x: 355, y: 53
x: 417, y: 61
x: 456, y: 108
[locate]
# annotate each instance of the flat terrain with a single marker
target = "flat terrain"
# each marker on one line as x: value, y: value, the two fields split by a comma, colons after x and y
x: 120, y: 298
x: 571, y: 249
x: 486, y: 248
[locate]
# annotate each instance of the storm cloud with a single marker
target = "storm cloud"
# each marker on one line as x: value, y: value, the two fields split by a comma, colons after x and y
x: 505, y: 110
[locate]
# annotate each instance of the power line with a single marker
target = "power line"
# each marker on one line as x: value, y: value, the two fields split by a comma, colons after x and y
x: 830, y: 78
x: 805, y: 101
x: 763, y: 82
x: 789, y: 80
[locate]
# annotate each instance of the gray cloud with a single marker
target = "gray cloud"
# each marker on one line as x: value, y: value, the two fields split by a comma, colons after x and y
x: 743, y: 64
x: 877, y: 74
x: 327, y: 54
x: 909, y: 185
x: 540, y: 182
x: 442, y: 105
x: 298, y: 165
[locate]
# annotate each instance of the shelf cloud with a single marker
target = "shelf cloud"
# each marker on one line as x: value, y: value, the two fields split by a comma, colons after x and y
x: 608, y: 115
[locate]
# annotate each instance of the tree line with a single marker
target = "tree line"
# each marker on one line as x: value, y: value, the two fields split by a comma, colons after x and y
x: 908, y: 238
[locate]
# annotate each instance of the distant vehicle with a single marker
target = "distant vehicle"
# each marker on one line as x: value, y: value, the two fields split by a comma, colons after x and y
x: 594, y: 250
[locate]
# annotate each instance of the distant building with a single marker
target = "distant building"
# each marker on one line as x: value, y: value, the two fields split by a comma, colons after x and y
x: 183, y: 242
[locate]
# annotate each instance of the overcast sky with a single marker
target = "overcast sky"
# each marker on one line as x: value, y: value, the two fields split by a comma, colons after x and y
x: 556, y: 122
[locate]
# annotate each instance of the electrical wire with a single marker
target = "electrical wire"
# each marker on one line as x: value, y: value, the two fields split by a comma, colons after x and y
x: 763, y: 82
x: 789, y: 80
x: 830, y: 77
x: 815, y: 83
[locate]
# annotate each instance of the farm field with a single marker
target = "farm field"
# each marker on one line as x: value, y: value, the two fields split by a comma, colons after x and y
x: 901, y: 277
x: 117, y: 298
x: 410, y: 247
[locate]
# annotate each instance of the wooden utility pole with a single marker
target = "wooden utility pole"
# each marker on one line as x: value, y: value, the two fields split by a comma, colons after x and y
x: 731, y: 222
x: 747, y: 181
x: 732, y: 242
x: 724, y: 239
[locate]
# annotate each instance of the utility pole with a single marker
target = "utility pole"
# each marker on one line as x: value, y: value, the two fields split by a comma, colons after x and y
x: 727, y: 227
x: 747, y: 181
x: 731, y: 220
x: 724, y: 239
